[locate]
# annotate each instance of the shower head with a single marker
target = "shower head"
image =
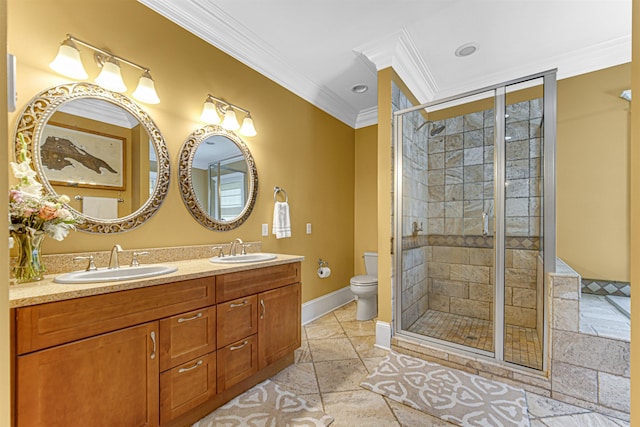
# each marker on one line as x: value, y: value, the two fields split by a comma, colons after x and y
x: 421, y: 126
x: 435, y: 130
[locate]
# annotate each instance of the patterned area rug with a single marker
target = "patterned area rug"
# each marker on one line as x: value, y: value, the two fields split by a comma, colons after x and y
x: 450, y: 394
x: 266, y: 405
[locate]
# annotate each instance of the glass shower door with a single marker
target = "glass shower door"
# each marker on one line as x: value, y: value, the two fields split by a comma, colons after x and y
x: 475, y: 219
x: 447, y: 223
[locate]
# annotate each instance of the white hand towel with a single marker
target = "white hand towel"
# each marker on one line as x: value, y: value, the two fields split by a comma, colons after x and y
x: 281, y: 220
x: 100, y: 207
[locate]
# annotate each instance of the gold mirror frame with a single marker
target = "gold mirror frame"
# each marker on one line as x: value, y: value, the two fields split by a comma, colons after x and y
x: 185, y: 164
x: 38, y: 112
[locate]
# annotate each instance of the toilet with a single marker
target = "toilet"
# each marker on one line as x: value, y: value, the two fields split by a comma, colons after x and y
x: 365, y: 288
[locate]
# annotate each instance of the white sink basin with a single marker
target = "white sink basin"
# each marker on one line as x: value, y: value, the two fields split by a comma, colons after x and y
x: 113, y: 275
x: 235, y: 259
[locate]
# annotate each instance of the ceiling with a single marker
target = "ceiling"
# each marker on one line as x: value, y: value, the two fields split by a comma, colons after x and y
x: 320, y: 49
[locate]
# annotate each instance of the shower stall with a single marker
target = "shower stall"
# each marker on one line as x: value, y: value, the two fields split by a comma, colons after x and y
x: 474, y: 219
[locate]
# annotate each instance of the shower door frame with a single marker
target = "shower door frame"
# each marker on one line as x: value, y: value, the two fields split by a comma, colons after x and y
x: 548, y: 238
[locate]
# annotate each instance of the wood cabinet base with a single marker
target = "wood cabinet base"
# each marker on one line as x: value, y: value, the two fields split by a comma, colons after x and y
x: 206, y: 408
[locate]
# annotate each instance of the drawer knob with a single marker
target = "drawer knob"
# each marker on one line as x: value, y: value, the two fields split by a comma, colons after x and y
x: 238, y: 347
x: 186, y: 319
x: 190, y: 368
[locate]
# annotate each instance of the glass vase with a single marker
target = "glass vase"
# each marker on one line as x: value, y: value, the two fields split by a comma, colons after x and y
x: 28, y: 266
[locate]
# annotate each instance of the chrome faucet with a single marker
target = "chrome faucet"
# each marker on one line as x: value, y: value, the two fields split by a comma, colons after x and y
x: 415, y: 229
x: 113, y: 260
x: 232, y: 249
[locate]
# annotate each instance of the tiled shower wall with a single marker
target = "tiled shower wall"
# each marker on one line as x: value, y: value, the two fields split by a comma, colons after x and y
x: 448, y: 182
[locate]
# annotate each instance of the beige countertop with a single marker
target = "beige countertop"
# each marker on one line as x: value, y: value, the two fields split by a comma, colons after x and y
x: 46, y: 290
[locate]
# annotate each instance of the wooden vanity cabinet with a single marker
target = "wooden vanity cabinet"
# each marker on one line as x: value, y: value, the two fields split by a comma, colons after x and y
x: 107, y: 380
x: 279, y: 324
x: 161, y: 355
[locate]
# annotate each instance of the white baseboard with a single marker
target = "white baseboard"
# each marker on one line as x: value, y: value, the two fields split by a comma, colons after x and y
x: 383, y: 335
x: 311, y: 310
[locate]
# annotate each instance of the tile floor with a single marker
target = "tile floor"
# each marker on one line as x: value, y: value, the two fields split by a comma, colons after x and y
x: 522, y: 345
x: 337, y: 353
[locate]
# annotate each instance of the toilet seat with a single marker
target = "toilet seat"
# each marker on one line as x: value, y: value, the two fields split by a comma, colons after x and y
x: 364, y: 280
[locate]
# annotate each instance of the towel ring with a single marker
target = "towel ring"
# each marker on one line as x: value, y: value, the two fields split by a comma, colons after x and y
x: 277, y: 190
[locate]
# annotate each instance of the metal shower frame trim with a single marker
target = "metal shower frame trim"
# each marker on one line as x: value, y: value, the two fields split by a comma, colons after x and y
x: 549, y: 224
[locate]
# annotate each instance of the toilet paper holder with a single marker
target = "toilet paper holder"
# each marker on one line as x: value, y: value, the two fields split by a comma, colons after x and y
x: 322, y: 263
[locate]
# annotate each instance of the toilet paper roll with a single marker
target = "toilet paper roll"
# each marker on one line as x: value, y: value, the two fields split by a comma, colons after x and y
x: 324, y: 272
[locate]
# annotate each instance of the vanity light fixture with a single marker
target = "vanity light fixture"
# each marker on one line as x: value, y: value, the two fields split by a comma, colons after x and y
x: 214, y: 108
x: 69, y: 63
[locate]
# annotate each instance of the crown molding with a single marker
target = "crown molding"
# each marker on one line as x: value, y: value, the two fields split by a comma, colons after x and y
x: 367, y: 117
x: 397, y: 50
x: 596, y: 57
x: 207, y: 21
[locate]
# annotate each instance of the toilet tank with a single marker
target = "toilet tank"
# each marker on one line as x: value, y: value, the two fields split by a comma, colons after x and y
x: 371, y: 263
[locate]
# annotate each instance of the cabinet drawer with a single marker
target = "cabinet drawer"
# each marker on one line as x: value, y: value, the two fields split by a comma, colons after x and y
x: 237, y: 362
x: 237, y: 319
x: 237, y: 285
x: 46, y: 325
x: 187, y: 386
x: 187, y: 336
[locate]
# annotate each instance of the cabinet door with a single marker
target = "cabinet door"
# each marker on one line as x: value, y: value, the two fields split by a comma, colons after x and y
x: 237, y: 362
x: 187, y: 336
x: 237, y: 319
x: 108, y: 380
x: 187, y: 386
x: 279, y: 324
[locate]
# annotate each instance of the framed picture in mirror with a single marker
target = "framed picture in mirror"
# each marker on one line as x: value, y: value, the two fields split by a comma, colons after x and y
x: 77, y: 157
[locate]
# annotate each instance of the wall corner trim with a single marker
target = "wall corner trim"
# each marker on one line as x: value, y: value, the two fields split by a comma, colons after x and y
x: 383, y: 335
x: 316, y: 308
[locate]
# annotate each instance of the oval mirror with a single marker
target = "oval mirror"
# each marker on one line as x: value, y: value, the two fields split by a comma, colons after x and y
x: 218, y: 178
x: 102, y: 150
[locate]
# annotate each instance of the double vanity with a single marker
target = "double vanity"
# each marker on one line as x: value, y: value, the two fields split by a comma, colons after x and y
x: 164, y: 350
x: 149, y: 344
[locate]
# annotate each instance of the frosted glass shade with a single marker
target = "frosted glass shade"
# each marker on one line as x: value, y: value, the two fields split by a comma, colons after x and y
x: 146, y: 90
x: 67, y: 62
x: 209, y: 114
x: 230, y: 121
x: 110, y: 77
x: 247, y: 128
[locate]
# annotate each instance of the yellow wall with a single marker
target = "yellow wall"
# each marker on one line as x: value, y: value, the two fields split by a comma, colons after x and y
x: 635, y: 219
x: 4, y: 234
x: 298, y: 147
x: 385, y: 78
x: 593, y: 173
x: 365, y: 196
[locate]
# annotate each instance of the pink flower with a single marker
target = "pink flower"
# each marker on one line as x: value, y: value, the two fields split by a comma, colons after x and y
x: 15, y: 196
x: 47, y: 213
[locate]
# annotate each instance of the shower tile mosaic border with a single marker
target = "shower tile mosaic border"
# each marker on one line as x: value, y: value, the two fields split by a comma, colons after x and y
x: 469, y: 241
x: 606, y: 287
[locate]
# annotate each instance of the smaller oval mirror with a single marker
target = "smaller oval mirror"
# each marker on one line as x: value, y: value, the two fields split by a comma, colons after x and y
x: 218, y: 178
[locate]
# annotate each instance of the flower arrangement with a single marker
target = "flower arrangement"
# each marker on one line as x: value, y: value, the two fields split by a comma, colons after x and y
x: 33, y: 215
